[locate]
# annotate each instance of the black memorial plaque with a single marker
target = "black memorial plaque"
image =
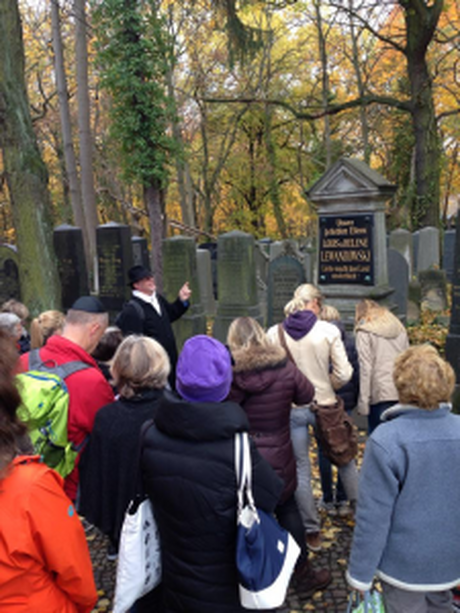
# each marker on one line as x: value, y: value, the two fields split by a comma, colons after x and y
x: 345, y: 250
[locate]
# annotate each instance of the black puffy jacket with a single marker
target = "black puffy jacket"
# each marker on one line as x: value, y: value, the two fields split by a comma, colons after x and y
x: 188, y: 473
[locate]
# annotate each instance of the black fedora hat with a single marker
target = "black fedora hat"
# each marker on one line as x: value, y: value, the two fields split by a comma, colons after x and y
x: 137, y: 273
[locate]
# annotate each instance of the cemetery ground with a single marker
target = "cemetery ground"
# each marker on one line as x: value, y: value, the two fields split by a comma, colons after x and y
x: 337, y: 533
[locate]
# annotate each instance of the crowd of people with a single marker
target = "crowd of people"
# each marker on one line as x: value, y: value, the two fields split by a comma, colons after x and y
x: 271, y: 384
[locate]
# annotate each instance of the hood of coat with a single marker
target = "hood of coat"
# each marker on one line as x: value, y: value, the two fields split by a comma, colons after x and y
x: 386, y: 325
x: 200, y: 421
x: 299, y: 324
x: 255, y: 369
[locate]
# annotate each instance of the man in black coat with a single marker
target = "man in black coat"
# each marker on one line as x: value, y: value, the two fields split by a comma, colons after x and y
x: 150, y: 314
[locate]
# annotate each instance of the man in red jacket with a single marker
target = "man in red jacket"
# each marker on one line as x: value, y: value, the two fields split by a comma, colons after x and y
x: 89, y: 391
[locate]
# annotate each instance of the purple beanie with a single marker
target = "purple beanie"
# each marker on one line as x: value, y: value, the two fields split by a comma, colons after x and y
x: 204, y: 370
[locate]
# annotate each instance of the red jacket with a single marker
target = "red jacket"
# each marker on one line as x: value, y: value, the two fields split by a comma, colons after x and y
x: 88, y: 392
x: 44, y: 560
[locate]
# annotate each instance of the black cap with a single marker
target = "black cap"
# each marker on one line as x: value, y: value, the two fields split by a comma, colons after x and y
x: 137, y: 273
x: 88, y: 304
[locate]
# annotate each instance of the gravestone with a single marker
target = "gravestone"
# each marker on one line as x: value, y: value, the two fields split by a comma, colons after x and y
x: 448, y: 254
x: 453, y: 337
x: 398, y: 278
x: 262, y: 259
x: 203, y: 261
x: 179, y: 266
x: 9, y: 273
x: 71, y: 263
x: 141, y: 255
x: 276, y: 249
x: 414, y: 302
x: 237, y: 282
x: 401, y: 241
x: 115, y: 258
x: 428, y: 249
x: 212, y: 248
x: 285, y: 274
x: 433, y: 285
x: 352, y: 249
x: 415, y: 244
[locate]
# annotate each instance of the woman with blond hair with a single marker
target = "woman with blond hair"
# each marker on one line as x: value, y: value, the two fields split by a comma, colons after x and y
x: 266, y: 384
x: 317, y: 350
x: 44, y: 326
x: 408, y: 515
x: 380, y: 338
x: 140, y: 370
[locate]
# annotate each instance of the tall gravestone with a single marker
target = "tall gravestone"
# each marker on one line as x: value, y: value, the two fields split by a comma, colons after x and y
x: 9, y: 273
x: 115, y: 258
x: 352, y: 250
x: 428, y: 249
x: 453, y: 337
x: 401, y: 241
x: 237, y: 281
x: 70, y: 254
x: 398, y: 277
x: 415, y: 244
x: 448, y: 254
x: 140, y: 251
x: 285, y: 274
x: 203, y: 262
x: 179, y: 266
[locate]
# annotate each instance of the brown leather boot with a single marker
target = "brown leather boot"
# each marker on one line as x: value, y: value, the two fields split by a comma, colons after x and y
x: 307, y: 580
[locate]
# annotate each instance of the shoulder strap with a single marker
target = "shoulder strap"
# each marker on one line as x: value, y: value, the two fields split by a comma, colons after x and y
x: 243, y: 470
x: 62, y: 370
x: 34, y: 359
x: 283, y: 343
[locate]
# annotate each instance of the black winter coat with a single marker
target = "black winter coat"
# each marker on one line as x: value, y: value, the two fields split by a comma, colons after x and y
x: 154, y: 325
x: 109, y: 463
x: 188, y: 473
x: 266, y: 384
x: 350, y: 391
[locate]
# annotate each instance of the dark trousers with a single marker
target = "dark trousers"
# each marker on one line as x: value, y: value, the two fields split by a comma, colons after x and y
x: 375, y: 413
x: 288, y: 517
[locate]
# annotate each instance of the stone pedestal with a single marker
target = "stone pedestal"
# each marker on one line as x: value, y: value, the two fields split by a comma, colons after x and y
x: 115, y: 258
x: 179, y: 266
x: 237, y: 282
x: 352, y: 244
x: 70, y: 254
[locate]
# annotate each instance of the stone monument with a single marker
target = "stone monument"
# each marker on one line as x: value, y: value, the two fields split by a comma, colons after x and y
x: 179, y: 266
x: 352, y: 249
x: 141, y: 255
x: 237, y: 281
x: 428, y: 249
x: 203, y: 262
x: 115, y: 258
x: 401, y: 241
x: 70, y: 254
x: 285, y: 274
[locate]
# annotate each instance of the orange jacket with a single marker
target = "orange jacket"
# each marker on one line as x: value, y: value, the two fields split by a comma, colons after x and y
x: 44, y: 559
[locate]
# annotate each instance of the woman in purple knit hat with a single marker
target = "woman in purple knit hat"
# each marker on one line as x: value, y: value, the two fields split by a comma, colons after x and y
x: 188, y: 472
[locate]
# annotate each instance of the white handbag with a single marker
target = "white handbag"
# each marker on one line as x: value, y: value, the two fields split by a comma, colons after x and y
x: 139, y: 556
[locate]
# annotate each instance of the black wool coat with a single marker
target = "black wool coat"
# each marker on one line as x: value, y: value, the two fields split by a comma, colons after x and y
x: 188, y: 473
x: 154, y: 325
x: 109, y: 463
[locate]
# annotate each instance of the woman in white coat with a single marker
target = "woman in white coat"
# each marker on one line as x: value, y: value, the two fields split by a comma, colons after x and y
x: 318, y: 351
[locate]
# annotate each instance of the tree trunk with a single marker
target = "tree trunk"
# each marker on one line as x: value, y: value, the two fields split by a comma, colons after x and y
x: 25, y: 172
x: 421, y: 22
x: 325, y: 89
x: 275, y: 196
x: 84, y: 128
x: 69, y: 152
x: 153, y: 205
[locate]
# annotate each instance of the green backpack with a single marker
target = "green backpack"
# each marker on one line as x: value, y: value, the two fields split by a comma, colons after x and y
x: 45, y: 406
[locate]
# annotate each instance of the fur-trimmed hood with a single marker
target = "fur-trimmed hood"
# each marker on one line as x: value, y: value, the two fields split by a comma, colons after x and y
x: 254, y: 367
x: 386, y: 325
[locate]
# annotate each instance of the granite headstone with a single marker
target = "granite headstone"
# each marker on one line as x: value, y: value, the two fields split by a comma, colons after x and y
x: 70, y: 254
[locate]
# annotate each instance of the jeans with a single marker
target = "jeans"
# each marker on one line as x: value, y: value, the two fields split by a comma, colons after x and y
x: 325, y: 473
x: 301, y: 419
x: 375, y: 413
x: 397, y: 600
